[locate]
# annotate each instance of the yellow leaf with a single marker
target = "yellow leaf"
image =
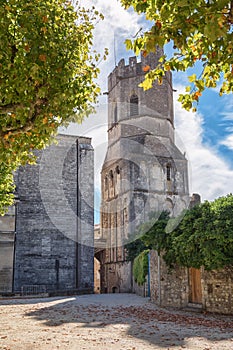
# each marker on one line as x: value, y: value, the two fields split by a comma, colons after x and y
x: 167, y: 66
x: 192, y: 78
x: 146, y: 84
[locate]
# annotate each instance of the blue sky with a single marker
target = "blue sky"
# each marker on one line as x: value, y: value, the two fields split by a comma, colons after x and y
x: 206, y: 136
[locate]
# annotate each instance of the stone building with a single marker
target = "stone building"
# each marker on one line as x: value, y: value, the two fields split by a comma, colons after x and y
x: 143, y: 170
x: 47, y: 245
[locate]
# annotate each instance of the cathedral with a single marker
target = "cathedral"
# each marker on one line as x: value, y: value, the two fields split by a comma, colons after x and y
x: 144, y: 172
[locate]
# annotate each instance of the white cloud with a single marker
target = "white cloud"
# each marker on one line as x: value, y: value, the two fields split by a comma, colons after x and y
x: 210, y: 175
x: 117, y: 26
x: 228, y: 142
x: 95, y: 127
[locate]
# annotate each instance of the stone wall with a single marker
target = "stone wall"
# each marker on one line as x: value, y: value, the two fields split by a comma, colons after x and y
x: 6, y: 261
x: 97, y: 286
x: 168, y: 287
x: 218, y: 290
x: 172, y: 287
x: 55, y: 228
x: 85, y: 214
x: 142, y: 290
x: 118, y: 277
x: 127, y: 77
x: 7, y: 240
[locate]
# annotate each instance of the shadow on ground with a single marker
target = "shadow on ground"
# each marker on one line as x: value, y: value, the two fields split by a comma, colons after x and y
x: 165, y: 328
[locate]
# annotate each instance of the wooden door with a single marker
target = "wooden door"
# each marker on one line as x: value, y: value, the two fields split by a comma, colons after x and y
x: 195, y: 293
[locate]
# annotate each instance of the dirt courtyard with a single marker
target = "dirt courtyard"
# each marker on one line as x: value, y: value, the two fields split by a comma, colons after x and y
x: 108, y: 321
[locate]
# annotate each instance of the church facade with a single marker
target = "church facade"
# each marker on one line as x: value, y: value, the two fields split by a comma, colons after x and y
x: 143, y: 171
x: 47, y: 239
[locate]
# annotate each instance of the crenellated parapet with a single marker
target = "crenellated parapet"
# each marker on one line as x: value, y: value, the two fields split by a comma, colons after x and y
x: 133, y: 68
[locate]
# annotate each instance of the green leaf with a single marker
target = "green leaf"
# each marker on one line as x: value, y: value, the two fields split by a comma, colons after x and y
x: 199, y: 33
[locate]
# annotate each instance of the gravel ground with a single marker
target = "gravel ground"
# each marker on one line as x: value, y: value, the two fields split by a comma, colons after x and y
x: 108, y: 321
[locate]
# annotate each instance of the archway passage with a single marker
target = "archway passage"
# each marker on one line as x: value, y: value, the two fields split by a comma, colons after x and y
x: 115, y: 290
x: 99, y: 276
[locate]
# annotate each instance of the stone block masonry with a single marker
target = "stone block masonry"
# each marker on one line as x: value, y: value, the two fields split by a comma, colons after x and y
x: 209, y: 290
x: 143, y: 170
x: 55, y: 218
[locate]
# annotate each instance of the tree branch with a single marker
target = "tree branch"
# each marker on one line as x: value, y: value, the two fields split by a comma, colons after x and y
x: 231, y: 13
x: 10, y: 108
x: 33, y: 113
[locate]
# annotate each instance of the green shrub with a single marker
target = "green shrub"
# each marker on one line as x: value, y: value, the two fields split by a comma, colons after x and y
x: 140, y: 267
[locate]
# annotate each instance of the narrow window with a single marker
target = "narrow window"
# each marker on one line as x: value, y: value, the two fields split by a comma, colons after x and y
x: 111, y: 177
x: 106, y: 182
x: 133, y: 105
x: 115, y: 114
x: 168, y: 172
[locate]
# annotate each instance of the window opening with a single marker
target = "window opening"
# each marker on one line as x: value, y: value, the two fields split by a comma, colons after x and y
x: 168, y: 172
x: 115, y: 114
x: 133, y: 105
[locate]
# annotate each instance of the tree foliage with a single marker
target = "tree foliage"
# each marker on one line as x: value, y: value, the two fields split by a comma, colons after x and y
x: 200, y: 30
x: 134, y: 248
x: 204, y: 236
x: 149, y: 235
x: 47, y: 73
x: 156, y: 236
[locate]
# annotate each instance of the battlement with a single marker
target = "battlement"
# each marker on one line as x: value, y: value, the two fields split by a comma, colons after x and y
x: 134, y: 68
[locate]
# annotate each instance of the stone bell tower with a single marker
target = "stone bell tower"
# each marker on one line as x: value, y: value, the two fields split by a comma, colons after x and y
x: 143, y: 171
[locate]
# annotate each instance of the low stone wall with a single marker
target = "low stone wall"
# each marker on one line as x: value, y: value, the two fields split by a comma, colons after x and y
x: 218, y: 290
x: 172, y: 287
x: 168, y: 287
x: 143, y: 290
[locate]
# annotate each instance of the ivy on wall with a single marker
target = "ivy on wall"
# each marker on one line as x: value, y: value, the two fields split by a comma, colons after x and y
x: 204, y: 237
x: 140, y: 267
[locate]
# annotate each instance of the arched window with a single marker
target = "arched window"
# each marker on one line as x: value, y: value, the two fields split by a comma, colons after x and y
x: 168, y: 172
x: 111, y: 177
x: 133, y: 105
x: 106, y: 182
x: 118, y: 170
